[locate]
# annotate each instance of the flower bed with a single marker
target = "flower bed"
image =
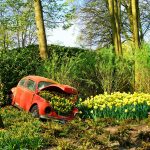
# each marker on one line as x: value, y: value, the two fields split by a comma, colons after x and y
x: 117, y: 105
x: 62, y: 103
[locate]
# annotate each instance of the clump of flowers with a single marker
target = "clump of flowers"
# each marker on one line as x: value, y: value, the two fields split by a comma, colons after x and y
x: 62, y: 103
x: 117, y: 105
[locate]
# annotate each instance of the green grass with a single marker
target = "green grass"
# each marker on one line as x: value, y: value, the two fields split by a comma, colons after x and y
x: 22, y: 131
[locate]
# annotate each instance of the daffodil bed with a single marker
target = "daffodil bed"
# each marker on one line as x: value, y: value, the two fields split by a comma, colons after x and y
x: 116, y: 105
x: 62, y: 103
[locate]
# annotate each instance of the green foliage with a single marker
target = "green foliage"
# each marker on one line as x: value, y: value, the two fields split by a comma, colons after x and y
x: 142, y: 69
x: 100, y: 71
x: 91, y: 72
x: 21, y: 132
x: 57, y: 13
x: 84, y: 74
x: 114, y: 74
x: 57, y: 68
x: 17, y: 24
x: 62, y: 51
x: 16, y: 64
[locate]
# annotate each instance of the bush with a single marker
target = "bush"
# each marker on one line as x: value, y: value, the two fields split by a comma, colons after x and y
x: 21, y: 62
x: 77, y: 71
x: 57, y: 69
x: 91, y: 72
x: 142, y: 69
x: 16, y: 64
x: 84, y: 74
x: 113, y: 73
x: 62, y: 51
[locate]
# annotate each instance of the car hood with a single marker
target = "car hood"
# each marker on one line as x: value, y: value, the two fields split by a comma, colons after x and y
x: 61, y: 87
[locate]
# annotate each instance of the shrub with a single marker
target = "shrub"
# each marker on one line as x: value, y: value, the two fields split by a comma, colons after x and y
x: 84, y: 74
x: 113, y: 73
x: 142, y: 69
x: 16, y: 64
x: 91, y: 72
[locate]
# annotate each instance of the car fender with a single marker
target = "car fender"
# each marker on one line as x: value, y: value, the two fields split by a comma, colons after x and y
x: 42, y: 106
x: 41, y: 103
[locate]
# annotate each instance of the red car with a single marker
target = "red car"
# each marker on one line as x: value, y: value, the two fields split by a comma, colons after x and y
x: 26, y: 96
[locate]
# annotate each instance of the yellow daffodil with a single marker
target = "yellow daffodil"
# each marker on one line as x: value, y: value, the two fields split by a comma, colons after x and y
x: 126, y: 110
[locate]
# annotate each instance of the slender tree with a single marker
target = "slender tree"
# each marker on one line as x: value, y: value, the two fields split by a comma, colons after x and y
x: 117, y: 10
x: 136, y: 20
x: 94, y: 23
x: 17, y: 24
x: 114, y: 10
x: 135, y: 10
x: 40, y: 29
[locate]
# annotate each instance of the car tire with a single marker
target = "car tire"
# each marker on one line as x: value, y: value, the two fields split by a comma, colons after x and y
x: 35, y: 111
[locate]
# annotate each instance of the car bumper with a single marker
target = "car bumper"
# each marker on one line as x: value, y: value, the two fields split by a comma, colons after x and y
x: 59, y: 117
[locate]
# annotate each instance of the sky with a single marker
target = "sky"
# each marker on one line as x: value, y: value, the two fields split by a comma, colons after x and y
x: 63, y: 37
x: 69, y: 37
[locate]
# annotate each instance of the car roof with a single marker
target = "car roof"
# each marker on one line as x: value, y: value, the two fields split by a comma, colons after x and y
x: 39, y: 78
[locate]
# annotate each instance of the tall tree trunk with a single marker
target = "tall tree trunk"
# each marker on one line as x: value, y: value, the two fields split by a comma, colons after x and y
x: 117, y: 10
x: 135, y: 15
x: 111, y: 11
x: 135, y: 22
x: 130, y: 17
x: 115, y: 23
x: 40, y: 29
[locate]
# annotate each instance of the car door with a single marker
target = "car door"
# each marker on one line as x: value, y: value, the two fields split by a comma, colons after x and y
x: 19, y: 91
x: 28, y: 94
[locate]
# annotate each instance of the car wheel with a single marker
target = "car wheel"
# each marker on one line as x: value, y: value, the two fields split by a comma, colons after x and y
x: 35, y: 111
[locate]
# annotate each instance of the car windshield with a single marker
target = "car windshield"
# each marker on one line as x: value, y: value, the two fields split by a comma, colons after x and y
x: 43, y: 84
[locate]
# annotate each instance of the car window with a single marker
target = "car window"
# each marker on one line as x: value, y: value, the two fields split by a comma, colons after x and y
x: 43, y: 84
x: 21, y: 82
x: 31, y: 85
